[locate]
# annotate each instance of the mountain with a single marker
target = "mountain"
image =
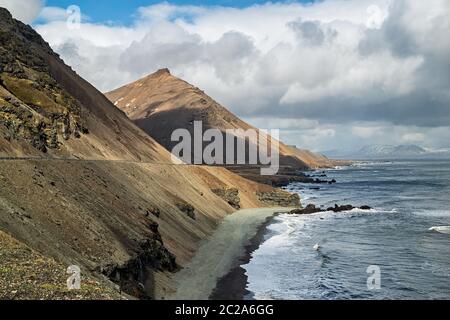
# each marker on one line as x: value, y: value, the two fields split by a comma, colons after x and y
x: 47, y: 109
x: 161, y: 103
x: 400, y: 151
x: 81, y: 184
x: 391, y: 152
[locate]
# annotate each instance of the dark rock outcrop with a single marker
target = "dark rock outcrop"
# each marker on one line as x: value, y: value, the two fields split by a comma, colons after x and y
x: 311, y: 208
x: 33, y: 106
x: 132, y: 276
x: 279, y: 198
x: 347, y: 207
x: 188, y: 209
x: 153, y: 211
x: 230, y: 195
x: 152, y: 255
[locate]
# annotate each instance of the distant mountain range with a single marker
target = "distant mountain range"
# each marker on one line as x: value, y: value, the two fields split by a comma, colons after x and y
x: 390, y: 152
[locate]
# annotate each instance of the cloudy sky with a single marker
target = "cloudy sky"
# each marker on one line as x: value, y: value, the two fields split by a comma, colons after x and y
x: 331, y: 74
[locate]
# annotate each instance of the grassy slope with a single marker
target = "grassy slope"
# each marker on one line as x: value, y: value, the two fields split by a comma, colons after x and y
x: 26, y: 274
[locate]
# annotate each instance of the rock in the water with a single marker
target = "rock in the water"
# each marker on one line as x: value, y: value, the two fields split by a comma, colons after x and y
x: 347, y: 207
x: 310, y: 208
x: 338, y: 208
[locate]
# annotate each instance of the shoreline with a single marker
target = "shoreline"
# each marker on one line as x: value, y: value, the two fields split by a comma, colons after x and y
x: 233, y: 286
x: 215, y: 271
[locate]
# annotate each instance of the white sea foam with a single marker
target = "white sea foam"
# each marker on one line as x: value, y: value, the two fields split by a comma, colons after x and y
x: 348, y: 239
x: 433, y: 213
x: 370, y: 165
x: 358, y: 210
x: 442, y: 229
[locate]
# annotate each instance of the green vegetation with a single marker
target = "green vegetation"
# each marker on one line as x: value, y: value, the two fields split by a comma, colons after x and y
x: 26, y: 90
x: 33, y: 107
x: 26, y: 275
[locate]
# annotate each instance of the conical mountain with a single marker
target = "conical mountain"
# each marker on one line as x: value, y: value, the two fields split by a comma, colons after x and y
x: 161, y: 103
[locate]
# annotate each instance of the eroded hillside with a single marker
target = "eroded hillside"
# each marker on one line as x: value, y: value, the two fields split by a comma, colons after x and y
x: 112, y: 217
x: 81, y: 184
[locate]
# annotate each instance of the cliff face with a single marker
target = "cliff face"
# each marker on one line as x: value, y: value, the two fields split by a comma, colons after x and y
x: 46, y: 109
x: 81, y: 184
x: 161, y: 103
x: 34, y: 107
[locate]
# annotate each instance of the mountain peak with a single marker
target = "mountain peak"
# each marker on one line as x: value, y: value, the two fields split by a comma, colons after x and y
x: 162, y: 71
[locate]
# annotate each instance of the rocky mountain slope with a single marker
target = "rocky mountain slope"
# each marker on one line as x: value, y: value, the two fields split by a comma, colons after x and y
x: 46, y: 109
x: 81, y: 184
x: 134, y: 223
x: 161, y: 103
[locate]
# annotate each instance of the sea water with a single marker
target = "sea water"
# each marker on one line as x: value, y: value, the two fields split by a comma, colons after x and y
x: 407, y: 197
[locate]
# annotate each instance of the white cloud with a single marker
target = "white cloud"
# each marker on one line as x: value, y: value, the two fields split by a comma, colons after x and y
x: 283, y: 124
x: 362, y: 134
x: 23, y: 10
x: 165, y: 11
x: 366, y: 131
x: 376, y: 17
x: 330, y: 62
x: 413, y: 137
x: 53, y: 14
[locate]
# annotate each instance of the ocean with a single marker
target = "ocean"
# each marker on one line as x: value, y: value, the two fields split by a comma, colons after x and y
x: 407, y: 197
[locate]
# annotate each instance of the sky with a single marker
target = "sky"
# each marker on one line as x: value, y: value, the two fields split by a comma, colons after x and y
x: 123, y: 11
x: 331, y: 74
